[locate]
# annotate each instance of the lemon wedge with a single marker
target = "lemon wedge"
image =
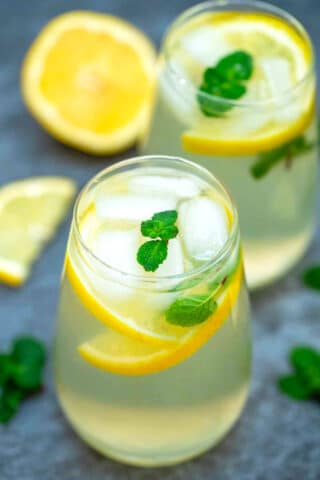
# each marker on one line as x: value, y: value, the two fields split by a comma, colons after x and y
x: 88, y: 79
x: 30, y: 212
x: 124, y: 355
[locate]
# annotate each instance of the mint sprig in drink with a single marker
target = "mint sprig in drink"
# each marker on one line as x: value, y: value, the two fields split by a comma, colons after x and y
x: 152, y: 353
x: 237, y: 95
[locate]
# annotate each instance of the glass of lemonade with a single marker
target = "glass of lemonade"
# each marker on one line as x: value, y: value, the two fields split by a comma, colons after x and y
x: 237, y: 95
x: 152, y: 353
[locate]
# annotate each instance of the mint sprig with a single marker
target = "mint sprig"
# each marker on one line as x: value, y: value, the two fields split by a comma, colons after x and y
x: 191, y: 310
x: 21, y: 372
x: 284, y: 153
x: 304, y: 383
x: 225, y: 80
x: 311, y: 277
x: 161, y: 227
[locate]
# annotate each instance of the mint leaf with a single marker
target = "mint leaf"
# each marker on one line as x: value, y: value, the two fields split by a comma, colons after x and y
x: 306, y: 362
x: 20, y: 374
x: 236, y: 66
x: 224, y: 80
x: 156, y: 228
x: 27, y: 350
x: 151, y: 254
x: 286, y: 152
x: 294, y: 387
x: 162, y: 226
x: 191, y: 310
x: 27, y: 376
x: 5, y: 364
x: 311, y: 277
x: 167, y: 217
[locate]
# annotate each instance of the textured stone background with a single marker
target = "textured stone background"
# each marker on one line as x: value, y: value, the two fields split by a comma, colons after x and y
x: 276, y: 438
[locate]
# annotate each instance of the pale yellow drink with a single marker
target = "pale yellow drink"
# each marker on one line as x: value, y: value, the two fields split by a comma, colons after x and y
x: 273, y: 122
x: 134, y: 386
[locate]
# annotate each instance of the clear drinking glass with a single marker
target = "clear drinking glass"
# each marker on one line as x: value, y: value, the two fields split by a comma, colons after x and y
x: 263, y: 145
x: 134, y: 386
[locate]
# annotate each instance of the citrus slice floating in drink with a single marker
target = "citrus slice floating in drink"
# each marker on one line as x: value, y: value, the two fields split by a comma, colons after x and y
x: 281, y: 58
x: 121, y: 354
x: 30, y: 212
x: 88, y: 79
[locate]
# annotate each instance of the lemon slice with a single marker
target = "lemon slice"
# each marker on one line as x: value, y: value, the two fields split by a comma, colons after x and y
x: 282, y: 57
x: 119, y: 354
x: 30, y: 211
x: 88, y: 79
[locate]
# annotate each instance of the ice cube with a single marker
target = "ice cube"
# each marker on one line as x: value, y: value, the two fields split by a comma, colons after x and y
x: 277, y: 72
x: 206, y: 45
x: 173, y: 264
x: 181, y: 187
x: 134, y: 208
x: 204, y: 227
x: 118, y: 249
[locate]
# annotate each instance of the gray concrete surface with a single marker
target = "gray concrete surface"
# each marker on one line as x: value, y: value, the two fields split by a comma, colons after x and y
x: 276, y: 438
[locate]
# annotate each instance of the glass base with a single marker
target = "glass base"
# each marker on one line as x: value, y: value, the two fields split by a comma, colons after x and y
x: 147, y: 457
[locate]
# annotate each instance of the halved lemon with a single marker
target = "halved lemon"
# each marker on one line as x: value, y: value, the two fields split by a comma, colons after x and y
x: 88, y: 79
x: 120, y: 354
x: 282, y: 57
x: 30, y: 212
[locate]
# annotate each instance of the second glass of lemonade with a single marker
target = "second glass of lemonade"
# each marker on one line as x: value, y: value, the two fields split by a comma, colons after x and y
x: 237, y: 95
x: 153, y: 346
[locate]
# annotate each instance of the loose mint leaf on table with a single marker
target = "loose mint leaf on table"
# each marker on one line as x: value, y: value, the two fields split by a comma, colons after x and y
x: 286, y: 152
x: 306, y: 362
x: 304, y: 383
x: 162, y: 227
x: 311, y: 277
x: 226, y: 81
x: 191, y: 310
x: 28, y: 350
x: 294, y: 387
x: 21, y: 372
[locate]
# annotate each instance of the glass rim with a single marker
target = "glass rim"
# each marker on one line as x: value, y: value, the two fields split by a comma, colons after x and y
x: 221, y: 256
x: 268, y: 8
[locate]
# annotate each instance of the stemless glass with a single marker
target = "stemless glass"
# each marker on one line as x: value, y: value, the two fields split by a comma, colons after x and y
x: 133, y: 386
x: 263, y: 146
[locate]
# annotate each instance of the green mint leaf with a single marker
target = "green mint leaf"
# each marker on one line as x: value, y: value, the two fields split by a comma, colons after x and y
x: 5, y: 363
x: 26, y: 376
x: 28, y: 350
x: 236, y: 66
x: 225, y: 81
x: 294, y: 387
x: 286, y: 152
x: 311, y: 277
x: 169, y: 232
x: 151, y: 228
x: 167, y: 217
x: 10, y: 401
x: 306, y: 362
x: 156, y: 229
x: 162, y: 227
x: 151, y: 254
x: 191, y: 310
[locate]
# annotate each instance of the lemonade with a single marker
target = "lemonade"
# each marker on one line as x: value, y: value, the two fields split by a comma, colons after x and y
x: 237, y: 95
x: 153, y: 352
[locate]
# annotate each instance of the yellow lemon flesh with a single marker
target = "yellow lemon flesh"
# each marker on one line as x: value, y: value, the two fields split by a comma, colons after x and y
x: 30, y: 212
x: 88, y: 79
x: 282, y: 56
x: 121, y: 354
